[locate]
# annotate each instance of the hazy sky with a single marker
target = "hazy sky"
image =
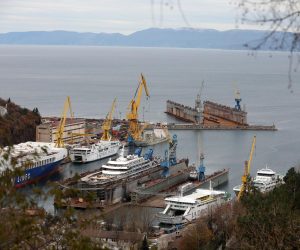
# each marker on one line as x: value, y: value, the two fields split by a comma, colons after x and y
x: 123, y: 16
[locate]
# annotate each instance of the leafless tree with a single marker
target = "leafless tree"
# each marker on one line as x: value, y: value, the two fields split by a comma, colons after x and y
x: 282, y: 20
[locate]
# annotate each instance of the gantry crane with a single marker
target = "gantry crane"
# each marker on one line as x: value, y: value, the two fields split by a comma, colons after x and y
x: 134, y: 130
x: 246, y: 178
x: 106, y: 126
x: 61, y: 127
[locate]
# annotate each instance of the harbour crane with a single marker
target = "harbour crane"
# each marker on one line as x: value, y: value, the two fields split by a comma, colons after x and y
x: 106, y: 126
x: 61, y: 127
x: 246, y: 178
x: 198, y: 105
x: 134, y: 130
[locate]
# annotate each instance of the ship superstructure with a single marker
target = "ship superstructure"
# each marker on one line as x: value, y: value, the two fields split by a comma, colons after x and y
x: 93, y: 152
x: 183, y: 209
x: 265, y: 180
x: 36, y: 159
x: 123, y: 167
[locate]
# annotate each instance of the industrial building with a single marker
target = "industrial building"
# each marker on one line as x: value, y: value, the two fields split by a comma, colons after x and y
x: 74, y: 130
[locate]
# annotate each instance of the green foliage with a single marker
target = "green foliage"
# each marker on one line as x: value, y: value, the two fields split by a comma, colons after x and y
x: 272, y: 220
x: 24, y: 225
x: 145, y: 245
x: 18, y: 125
x: 260, y: 221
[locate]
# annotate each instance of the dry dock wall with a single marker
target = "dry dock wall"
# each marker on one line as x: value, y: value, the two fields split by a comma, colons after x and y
x: 212, y: 114
x: 219, y: 112
x: 181, y: 112
x: 217, y: 179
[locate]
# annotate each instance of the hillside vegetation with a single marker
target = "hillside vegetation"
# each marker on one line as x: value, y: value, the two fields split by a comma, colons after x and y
x: 18, y: 125
x: 259, y: 221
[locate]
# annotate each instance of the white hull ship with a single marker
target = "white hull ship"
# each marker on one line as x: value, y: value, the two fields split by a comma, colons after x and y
x: 184, y: 209
x: 265, y: 180
x: 37, y: 159
x: 129, y: 166
x: 94, y: 152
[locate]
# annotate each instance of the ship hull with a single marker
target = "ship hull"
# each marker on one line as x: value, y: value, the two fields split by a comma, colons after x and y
x: 36, y: 174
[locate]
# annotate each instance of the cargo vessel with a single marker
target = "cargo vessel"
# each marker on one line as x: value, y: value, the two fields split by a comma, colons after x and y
x: 37, y: 160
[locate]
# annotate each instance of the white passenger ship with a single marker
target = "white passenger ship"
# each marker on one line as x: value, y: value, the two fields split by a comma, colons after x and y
x: 183, y: 209
x: 265, y: 180
x: 122, y: 167
x: 37, y: 159
x: 94, y: 152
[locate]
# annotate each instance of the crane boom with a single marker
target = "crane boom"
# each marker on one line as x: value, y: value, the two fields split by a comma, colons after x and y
x: 61, y: 127
x: 134, y: 131
x: 247, y: 168
x: 106, y: 127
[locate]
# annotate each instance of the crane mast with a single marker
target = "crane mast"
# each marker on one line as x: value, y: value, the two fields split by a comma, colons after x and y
x: 134, y: 130
x: 237, y: 98
x: 106, y: 127
x: 61, y: 127
x: 246, y: 176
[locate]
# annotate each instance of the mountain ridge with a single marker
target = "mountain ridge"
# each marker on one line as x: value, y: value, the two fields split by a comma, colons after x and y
x: 152, y: 37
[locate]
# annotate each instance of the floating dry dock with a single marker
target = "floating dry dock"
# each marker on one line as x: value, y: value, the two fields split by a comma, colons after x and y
x: 211, y: 116
x: 190, y: 126
x: 166, y: 186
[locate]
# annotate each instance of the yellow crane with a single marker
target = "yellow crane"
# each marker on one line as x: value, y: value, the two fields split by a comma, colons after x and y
x: 61, y: 127
x: 106, y: 126
x: 246, y: 176
x: 134, y: 130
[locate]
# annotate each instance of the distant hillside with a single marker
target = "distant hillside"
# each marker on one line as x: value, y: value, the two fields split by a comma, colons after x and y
x: 18, y: 125
x: 181, y: 38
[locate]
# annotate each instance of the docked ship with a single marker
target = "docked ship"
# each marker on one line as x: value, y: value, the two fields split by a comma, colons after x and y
x: 37, y: 159
x: 94, y: 152
x: 183, y: 209
x: 122, y: 168
x: 114, y: 181
x: 265, y: 180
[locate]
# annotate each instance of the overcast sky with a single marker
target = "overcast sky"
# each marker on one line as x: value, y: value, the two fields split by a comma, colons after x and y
x: 124, y: 16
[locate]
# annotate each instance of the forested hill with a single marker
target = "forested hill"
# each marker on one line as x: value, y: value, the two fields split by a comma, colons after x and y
x: 18, y: 125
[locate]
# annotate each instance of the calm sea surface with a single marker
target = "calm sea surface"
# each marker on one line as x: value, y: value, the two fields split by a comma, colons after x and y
x: 42, y: 76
